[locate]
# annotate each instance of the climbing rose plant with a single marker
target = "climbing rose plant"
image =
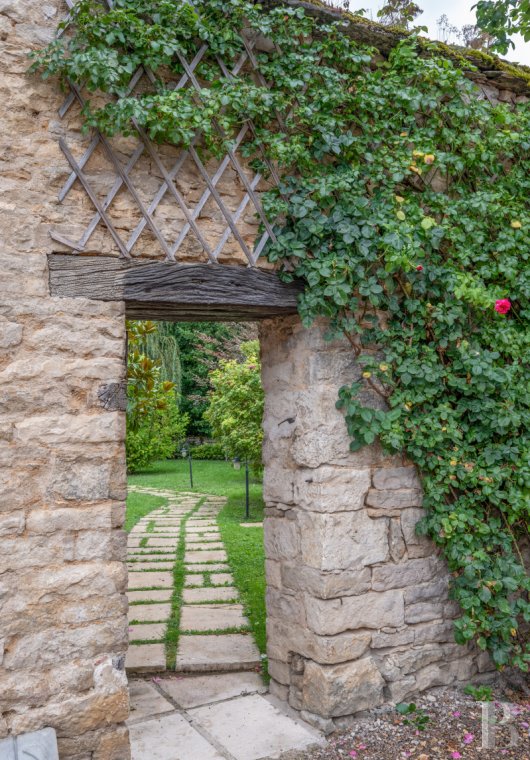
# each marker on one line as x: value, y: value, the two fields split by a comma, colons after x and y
x: 404, y: 209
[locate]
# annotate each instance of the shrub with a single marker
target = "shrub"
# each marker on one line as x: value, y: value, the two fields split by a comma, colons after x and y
x: 208, y: 451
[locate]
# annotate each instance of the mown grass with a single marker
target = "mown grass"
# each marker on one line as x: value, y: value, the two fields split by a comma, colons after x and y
x: 244, y: 546
x: 139, y: 505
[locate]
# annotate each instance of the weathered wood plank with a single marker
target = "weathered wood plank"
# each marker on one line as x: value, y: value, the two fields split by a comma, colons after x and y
x: 173, y: 292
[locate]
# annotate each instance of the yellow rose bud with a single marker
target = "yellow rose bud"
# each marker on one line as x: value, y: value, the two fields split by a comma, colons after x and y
x: 399, y: 199
x: 513, y: 632
x: 453, y: 462
x: 383, y: 367
x: 429, y: 158
x: 417, y: 153
x: 444, y: 430
x: 516, y: 224
x: 404, y: 134
x: 367, y: 374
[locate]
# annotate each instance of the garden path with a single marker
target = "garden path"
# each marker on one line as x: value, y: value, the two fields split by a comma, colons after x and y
x: 203, y: 699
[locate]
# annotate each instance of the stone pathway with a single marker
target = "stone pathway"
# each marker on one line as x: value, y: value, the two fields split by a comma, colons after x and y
x: 212, y: 717
x: 215, y: 706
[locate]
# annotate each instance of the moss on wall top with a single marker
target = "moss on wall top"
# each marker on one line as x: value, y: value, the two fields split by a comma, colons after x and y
x: 478, y: 65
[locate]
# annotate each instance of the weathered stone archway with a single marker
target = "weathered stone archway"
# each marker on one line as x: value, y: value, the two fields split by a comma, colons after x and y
x: 357, y: 603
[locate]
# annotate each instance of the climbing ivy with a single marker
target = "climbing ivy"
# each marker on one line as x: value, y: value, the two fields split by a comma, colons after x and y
x: 404, y: 208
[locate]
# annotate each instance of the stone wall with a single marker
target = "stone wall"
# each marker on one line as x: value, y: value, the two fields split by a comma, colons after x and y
x: 357, y: 603
x: 63, y: 626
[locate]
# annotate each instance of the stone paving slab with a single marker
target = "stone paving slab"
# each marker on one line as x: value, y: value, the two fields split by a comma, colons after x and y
x: 204, y: 568
x: 221, y: 652
x: 251, y: 525
x: 146, y: 658
x: 170, y: 542
x: 150, y: 596
x: 212, y: 617
x: 219, y: 579
x: 147, y: 631
x: 250, y: 728
x: 195, y: 579
x: 170, y: 737
x: 194, y: 691
x: 205, y: 556
x: 137, y: 566
x: 146, y: 702
x: 201, y: 545
x: 209, y: 594
x: 149, y: 613
x: 150, y: 580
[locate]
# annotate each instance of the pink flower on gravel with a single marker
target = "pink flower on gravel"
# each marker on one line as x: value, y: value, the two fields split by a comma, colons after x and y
x: 457, y: 714
x: 353, y: 753
x: 455, y: 755
x: 156, y: 679
x: 525, y: 725
x: 468, y: 738
x: 503, y: 306
x: 362, y: 746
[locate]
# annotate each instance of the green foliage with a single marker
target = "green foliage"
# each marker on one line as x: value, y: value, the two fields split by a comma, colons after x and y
x: 404, y: 209
x: 418, y: 717
x: 236, y: 406
x: 201, y: 346
x: 502, y: 19
x: 155, y: 426
x: 208, y: 451
x: 480, y: 693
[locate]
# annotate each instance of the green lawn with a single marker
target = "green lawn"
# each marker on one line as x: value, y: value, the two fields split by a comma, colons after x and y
x: 138, y: 505
x: 244, y: 546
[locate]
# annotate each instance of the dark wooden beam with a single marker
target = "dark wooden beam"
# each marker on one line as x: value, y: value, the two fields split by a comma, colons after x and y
x: 174, y: 292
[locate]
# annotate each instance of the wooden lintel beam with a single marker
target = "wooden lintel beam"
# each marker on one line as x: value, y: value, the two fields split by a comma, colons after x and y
x: 174, y: 292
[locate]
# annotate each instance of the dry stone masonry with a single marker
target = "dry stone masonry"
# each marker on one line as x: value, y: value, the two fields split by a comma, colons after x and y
x: 357, y: 602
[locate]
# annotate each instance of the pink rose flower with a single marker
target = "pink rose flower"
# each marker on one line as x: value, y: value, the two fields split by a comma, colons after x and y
x: 468, y: 738
x: 456, y: 755
x: 503, y: 306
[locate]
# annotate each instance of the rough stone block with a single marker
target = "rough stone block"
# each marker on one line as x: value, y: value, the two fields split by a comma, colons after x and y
x: 285, y: 638
x: 326, y: 585
x: 388, y: 478
x: 342, y: 541
x: 423, y: 612
x: 335, y: 690
x: 281, y: 538
x: 410, y: 573
x: 371, y: 610
x: 331, y: 489
x: 395, y: 500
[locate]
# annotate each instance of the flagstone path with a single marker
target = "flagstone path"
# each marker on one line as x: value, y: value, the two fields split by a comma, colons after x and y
x: 214, y: 707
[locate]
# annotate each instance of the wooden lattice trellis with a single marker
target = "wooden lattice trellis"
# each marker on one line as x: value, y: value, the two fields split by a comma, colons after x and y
x: 249, y: 202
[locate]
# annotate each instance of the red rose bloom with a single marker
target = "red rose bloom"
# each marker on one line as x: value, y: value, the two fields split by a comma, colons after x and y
x: 419, y: 268
x: 503, y: 306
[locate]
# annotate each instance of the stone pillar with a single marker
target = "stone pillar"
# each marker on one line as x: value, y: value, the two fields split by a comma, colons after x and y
x: 357, y: 603
x: 63, y: 624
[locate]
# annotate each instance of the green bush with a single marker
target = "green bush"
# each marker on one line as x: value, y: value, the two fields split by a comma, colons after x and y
x: 159, y: 436
x: 208, y: 451
x: 236, y: 406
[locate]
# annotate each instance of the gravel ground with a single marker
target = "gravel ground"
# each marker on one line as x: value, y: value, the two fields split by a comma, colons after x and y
x: 453, y: 732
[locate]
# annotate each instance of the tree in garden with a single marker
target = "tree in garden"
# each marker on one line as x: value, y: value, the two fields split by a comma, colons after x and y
x: 400, y: 13
x: 235, y: 412
x: 201, y: 347
x: 502, y: 19
x: 155, y: 426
